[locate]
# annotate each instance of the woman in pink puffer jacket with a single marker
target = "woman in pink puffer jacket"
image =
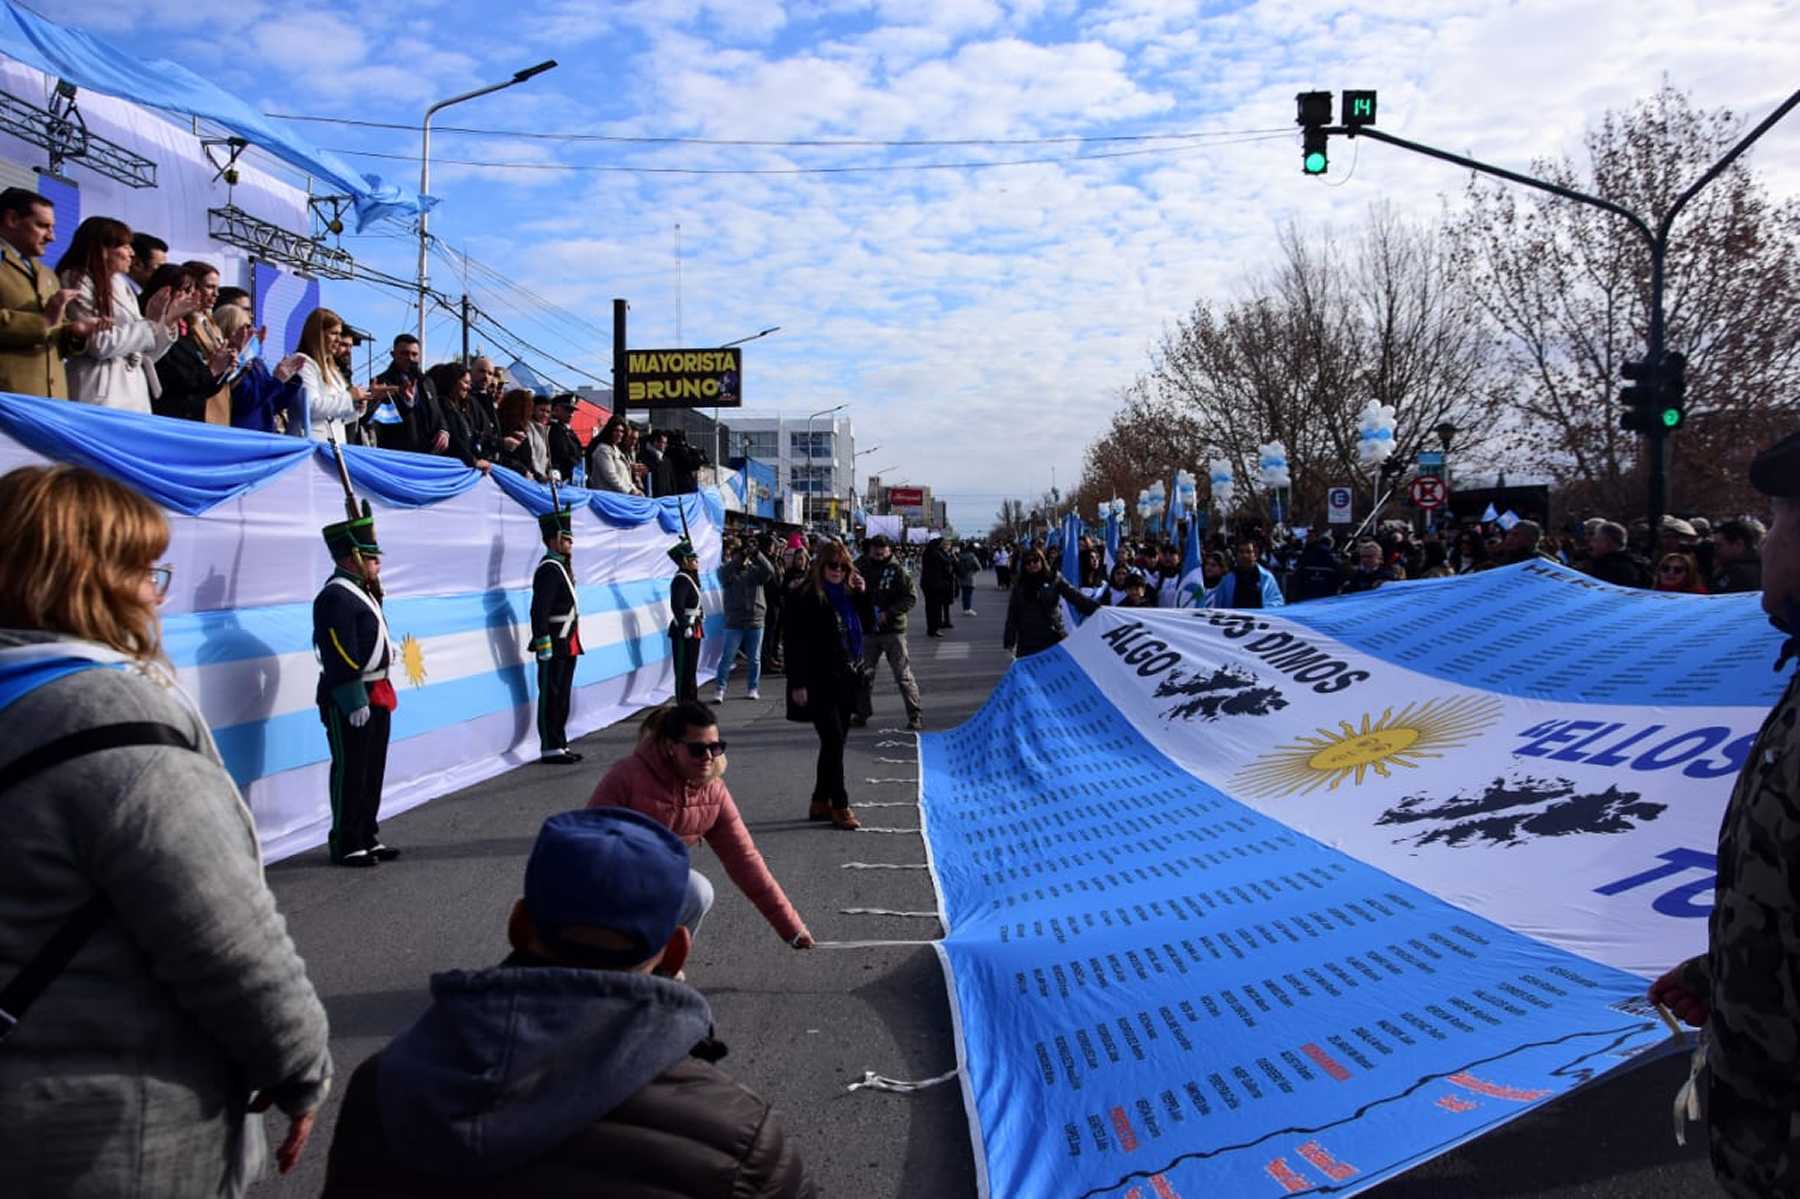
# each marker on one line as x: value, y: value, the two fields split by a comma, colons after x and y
x: 676, y: 776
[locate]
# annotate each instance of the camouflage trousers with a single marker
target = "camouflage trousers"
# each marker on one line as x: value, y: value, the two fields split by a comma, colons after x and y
x: 1753, y: 1136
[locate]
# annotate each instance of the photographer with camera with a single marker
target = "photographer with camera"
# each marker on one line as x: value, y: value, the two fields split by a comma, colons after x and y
x: 684, y: 462
x: 744, y: 574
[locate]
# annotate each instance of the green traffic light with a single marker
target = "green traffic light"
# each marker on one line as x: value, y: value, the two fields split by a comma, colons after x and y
x: 1315, y: 163
x: 1671, y: 418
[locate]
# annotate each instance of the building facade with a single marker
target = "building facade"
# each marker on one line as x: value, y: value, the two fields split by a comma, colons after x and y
x: 816, y: 458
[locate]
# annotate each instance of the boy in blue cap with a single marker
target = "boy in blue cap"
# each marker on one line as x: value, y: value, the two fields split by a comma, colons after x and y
x: 582, y: 1064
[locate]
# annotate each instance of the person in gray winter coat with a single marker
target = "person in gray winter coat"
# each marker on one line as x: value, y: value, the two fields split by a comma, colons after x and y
x: 581, y: 1065
x: 185, y: 1009
x: 743, y: 575
x: 968, y: 565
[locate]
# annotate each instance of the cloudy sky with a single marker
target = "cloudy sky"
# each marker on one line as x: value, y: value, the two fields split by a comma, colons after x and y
x: 979, y: 320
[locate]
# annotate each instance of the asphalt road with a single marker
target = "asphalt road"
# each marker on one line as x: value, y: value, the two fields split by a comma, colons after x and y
x: 801, y: 1026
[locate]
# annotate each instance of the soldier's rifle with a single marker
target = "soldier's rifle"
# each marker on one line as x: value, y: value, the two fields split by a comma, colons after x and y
x: 352, y: 509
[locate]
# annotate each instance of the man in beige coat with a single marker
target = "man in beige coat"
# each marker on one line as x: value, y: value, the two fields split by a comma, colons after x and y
x: 31, y: 304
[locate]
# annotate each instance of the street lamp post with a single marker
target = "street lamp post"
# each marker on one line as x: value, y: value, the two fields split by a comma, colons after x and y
x: 718, y: 453
x: 853, y: 459
x: 809, y: 451
x: 425, y: 174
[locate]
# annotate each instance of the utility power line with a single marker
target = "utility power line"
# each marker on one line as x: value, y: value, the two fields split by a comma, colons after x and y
x: 819, y: 143
x: 872, y: 168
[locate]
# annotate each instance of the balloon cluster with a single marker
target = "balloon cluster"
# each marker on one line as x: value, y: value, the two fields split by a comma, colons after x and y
x: 1224, y: 486
x: 1375, y: 443
x: 1271, y: 459
x: 1112, y: 509
x: 1150, y: 501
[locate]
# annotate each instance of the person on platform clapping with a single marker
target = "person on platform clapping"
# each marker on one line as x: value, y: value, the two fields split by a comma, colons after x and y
x: 676, y: 776
x: 194, y: 377
x: 326, y: 392
x: 114, y: 366
x: 825, y: 679
x: 519, y: 449
x: 609, y: 469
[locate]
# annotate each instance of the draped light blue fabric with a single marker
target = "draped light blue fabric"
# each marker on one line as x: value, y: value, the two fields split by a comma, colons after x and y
x: 700, y: 505
x: 89, y: 62
x: 190, y: 468
x: 184, y: 466
x: 403, y: 479
x: 534, y: 497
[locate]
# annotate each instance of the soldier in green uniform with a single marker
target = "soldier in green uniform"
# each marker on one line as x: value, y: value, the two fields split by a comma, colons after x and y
x: 555, y: 636
x: 356, y: 701
x: 1745, y: 990
x: 686, y: 621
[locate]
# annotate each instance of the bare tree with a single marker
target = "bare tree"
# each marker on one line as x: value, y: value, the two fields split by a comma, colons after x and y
x: 1569, y: 288
x: 1149, y: 438
x: 1314, y: 341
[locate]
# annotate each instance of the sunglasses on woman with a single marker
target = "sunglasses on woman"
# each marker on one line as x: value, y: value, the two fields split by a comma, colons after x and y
x: 160, y: 579
x: 701, y: 750
x: 1674, y: 570
x: 836, y: 566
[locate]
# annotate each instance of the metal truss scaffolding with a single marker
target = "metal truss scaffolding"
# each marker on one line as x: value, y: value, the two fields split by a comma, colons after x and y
x: 275, y: 245
x: 60, y: 131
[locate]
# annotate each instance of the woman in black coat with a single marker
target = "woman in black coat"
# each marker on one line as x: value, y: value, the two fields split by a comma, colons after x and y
x: 823, y: 639
x: 1034, y: 619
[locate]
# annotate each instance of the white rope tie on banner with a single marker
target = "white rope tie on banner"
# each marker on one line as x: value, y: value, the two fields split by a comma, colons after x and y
x: 884, y: 732
x: 886, y: 803
x: 884, y: 866
x: 868, y: 944
x: 866, y: 829
x: 893, y: 745
x: 899, y: 761
x: 1687, y: 1099
x: 880, y: 1082
x: 887, y: 912
x: 880, y: 781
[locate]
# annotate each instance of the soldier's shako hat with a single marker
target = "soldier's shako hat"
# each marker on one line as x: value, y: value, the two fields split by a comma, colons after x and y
x: 349, y: 537
x: 558, y: 523
x: 1776, y: 471
x: 682, y: 550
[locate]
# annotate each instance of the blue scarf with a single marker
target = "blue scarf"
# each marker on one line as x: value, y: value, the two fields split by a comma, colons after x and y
x: 848, y: 621
x: 17, y: 680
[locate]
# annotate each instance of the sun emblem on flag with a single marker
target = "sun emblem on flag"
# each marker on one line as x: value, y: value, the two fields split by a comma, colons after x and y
x: 412, y: 658
x: 1351, y: 752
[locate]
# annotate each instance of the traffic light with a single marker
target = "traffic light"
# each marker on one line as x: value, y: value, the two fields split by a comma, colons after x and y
x: 1673, y: 410
x: 1313, y: 115
x: 1313, y: 158
x: 1656, y: 401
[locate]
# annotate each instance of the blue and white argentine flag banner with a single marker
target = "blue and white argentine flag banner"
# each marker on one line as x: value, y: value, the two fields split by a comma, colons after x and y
x: 458, y: 554
x: 1253, y: 903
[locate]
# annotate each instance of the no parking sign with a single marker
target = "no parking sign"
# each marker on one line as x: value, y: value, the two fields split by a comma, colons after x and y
x: 1337, y: 503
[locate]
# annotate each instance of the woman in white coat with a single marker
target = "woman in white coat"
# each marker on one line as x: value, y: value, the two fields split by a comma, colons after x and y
x: 610, y: 471
x: 114, y: 366
x: 327, y: 395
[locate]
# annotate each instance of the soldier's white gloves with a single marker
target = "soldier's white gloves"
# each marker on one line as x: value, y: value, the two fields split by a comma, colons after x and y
x: 359, y: 717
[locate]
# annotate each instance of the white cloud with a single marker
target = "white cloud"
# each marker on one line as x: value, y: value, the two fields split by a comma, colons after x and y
x: 980, y: 322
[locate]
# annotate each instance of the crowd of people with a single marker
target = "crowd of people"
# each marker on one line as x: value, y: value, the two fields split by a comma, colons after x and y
x: 113, y: 323
x: 1260, y: 568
